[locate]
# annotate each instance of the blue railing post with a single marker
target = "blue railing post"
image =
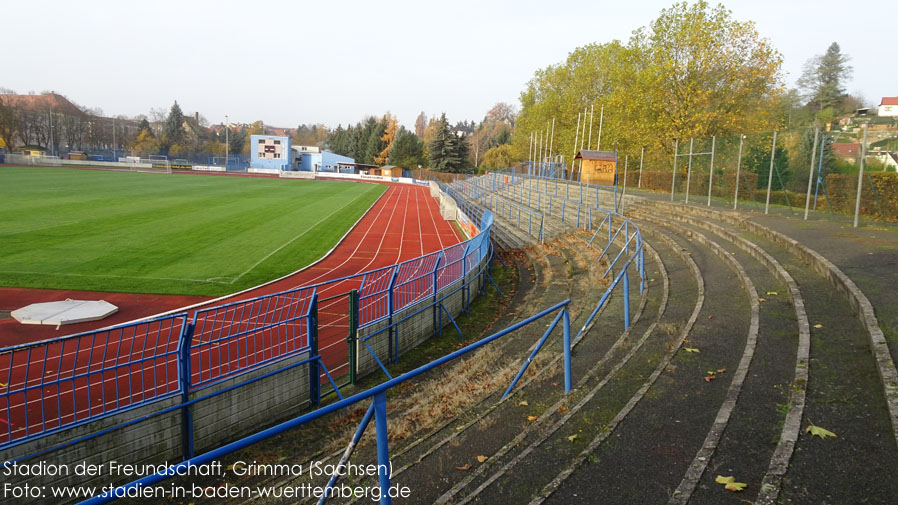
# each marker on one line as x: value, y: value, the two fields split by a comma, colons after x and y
x: 567, y: 351
x: 383, y: 447
x: 436, y: 309
x: 642, y: 268
x: 184, y: 382
x: 626, y: 298
x: 314, y: 365
x: 391, y: 333
x: 344, y: 459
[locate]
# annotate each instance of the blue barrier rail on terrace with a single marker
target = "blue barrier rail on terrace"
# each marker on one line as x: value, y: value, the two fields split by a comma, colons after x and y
x: 470, y: 192
x: 377, y: 410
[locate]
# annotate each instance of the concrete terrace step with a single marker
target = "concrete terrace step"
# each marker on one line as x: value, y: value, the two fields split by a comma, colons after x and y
x: 518, y: 474
x: 763, y: 403
x: 504, y: 420
x: 656, y: 441
x: 854, y: 408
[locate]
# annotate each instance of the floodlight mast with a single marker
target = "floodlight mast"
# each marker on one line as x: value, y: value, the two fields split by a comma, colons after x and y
x: 227, y: 128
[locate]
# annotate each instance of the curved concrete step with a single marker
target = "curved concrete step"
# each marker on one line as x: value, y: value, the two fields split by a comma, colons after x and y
x: 839, y: 351
x: 656, y: 441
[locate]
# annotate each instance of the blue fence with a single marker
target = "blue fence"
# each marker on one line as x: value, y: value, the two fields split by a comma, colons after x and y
x: 56, y: 384
x: 377, y: 411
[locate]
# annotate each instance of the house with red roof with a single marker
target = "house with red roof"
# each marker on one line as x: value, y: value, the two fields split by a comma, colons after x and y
x: 888, y: 107
x: 845, y: 151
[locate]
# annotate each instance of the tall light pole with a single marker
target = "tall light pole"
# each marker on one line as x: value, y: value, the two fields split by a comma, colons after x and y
x: 227, y: 128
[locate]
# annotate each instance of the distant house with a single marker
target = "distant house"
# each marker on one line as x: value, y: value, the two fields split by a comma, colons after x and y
x: 888, y: 160
x: 849, y: 152
x: 888, y: 107
x: 47, y: 102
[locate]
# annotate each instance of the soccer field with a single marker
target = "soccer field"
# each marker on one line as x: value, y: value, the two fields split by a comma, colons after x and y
x: 159, y: 233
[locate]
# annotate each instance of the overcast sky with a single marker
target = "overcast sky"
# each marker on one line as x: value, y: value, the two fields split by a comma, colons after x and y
x: 334, y: 62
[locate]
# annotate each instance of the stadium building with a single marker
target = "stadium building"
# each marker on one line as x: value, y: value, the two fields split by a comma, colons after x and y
x: 275, y: 153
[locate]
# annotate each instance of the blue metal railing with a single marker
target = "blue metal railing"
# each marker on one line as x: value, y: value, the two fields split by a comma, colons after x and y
x: 377, y: 410
x: 623, y: 259
x: 572, y: 190
x: 472, y: 192
x: 244, y: 335
x: 60, y: 383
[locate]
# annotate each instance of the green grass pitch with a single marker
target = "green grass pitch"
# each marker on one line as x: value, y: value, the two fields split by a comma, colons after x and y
x: 158, y: 233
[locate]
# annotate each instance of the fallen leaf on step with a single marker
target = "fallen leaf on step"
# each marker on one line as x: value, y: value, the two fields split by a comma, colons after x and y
x: 562, y: 409
x: 523, y: 403
x: 818, y: 431
x: 464, y: 468
x: 818, y: 325
x: 711, y: 372
x: 762, y: 300
x: 532, y: 418
x: 709, y: 378
x: 774, y: 293
x: 721, y: 370
x: 730, y: 483
x: 572, y: 438
x: 481, y: 459
x: 691, y: 349
x: 710, y: 318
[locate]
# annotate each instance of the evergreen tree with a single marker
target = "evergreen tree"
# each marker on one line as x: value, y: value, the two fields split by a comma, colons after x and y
x: 461, y: 152
x: 408, y: 150
x: 442, y: 148
x: 757, y: 160
x: 823, y: 76
x: 174, y: 123
x: 144, y: 126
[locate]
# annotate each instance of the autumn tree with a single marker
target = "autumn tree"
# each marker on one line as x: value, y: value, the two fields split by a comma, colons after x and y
x: 389, y: 136
x: 420, y: 124
x: 9, y: 122
x: 497, y: 157
x: 145, y: 143
x: 310, y: 135
x: 694, y: 71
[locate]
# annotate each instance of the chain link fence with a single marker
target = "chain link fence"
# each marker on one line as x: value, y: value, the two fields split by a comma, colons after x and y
x: 781, y: 172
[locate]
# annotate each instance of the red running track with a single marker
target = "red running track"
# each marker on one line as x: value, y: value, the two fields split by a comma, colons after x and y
x: 403, y: 224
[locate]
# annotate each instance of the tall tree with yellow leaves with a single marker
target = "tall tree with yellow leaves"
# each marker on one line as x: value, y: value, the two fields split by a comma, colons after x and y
x: 694, y: 71
x: 389, y: 136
